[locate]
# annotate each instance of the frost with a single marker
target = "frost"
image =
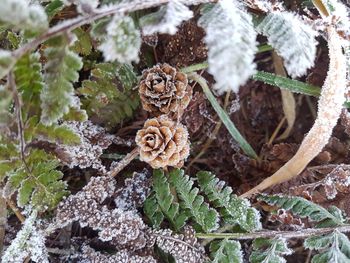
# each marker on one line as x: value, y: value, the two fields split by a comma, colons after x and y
x: 20, y: 14
x: 83, y: 6
x: 293, y: 40
x: 123, y: 40
x: 167, y: 19
x: 229, y: 31
x: 28, y: 242
x: 94, y: 140
x: 7, y: 61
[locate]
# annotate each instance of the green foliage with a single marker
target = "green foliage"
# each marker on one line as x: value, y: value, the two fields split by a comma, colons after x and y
x: 36, y: 181
x: 235, y: 210
x: 83, y: 44
x: 192, y: 202
x: 226, y: 251
x: 165, y: 200
x: 108, y: 93
x: 305, y: 208
x: 269, y: 250
x: 7, y: 61
x: 153, y: 211
x: 333, y: 247
x: 61, y: 70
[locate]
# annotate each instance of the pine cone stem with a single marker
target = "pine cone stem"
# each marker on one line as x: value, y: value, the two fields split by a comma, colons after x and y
x: 125, y: 162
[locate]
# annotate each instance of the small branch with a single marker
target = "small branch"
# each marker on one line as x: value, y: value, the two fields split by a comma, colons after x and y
x: 304, y: 233
x: 15, y: 209
x: 124, y: 162
x: 3, y: 221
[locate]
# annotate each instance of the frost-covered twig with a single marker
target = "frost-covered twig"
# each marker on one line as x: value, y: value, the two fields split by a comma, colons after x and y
x: 125, y: 161
x: 329, y: 109
x: 304, y: 233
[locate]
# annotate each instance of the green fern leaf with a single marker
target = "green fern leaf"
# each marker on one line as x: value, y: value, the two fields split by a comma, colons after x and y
x: 305, y: 208
x: 61, y: 71
x: 83, y: 44
x: 235, y: 210
x: 153, y: 211
x: 165, y: 200
x: 194, y: 203
x: 226, y: 251
x: 333, y: 247
x: 269, y: 250
x: 7, y: 61
x: 108, y: 96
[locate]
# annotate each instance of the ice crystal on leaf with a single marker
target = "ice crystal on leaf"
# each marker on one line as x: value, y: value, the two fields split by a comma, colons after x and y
x: 166, y: 19
x: 123, y: 40
x: 230, y: 31
x: 293, y: 40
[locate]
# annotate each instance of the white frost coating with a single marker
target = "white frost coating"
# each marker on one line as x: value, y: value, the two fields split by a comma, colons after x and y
x: 22, y: 15
x: 170, y: 17
x: 28, y: 242
x: 123, y: 40
x: 293, y: 40
x: 83, y: 6
x: 231, y: 40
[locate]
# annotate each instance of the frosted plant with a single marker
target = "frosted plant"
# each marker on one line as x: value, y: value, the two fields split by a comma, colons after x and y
x: 292, y: 39
x: 123, y: 40
x: 83, y: 6
x: 231, y: 40
x: 167, y: 19
x: 29, y: 242
x: 6, y: 62
x: 20, y: 14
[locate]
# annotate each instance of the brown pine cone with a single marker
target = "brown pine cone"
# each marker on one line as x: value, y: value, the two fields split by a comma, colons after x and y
x: 163, y: 142
x: 164, y: 90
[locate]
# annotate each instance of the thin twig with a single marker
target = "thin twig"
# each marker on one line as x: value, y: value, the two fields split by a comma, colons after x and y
x: 124, y: 162
x: 15, y: 209
x: 304, y: 233
x: 3, y: 221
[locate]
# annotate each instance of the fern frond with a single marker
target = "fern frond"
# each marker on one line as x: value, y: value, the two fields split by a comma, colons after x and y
x: 269, y: 250
x: 153, y: 211
x: 236, y: 210
x: 305, y: 208
x: 226, y: 251
x: 194, y: 203
x: 7, y: 61
x: 292, y: 39
x: 167, y: 19
x: 101, y: 97
x: 166, y: 202
x: 123, y: 40
x: 333, y: 247
x: 61, y: 70
x: 229, y: 30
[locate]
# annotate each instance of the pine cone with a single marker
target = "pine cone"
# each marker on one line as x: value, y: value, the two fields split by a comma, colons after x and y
x: 163, y: 142
x: 164, y: 90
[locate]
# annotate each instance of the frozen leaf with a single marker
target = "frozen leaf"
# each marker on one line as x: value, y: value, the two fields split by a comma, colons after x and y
x: 269, y: 250
x: 7, y: 61
x: 229, y: 29
x: 166, y: 19
x: 226, y: 251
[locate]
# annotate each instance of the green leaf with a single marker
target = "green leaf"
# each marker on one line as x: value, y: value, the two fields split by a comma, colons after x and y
x: 83, y: 43
x: 61, y: 71
x: 333, y: 247
x: 226, y: 251
x: 304, y: 208
x: 224, y: 117
x: 235, y: 210
x: 166, y: 202
x: 109, y: 94
x: 153, y: 211
x: 287, y: 83
x: 194, y: 203
x: 53, y: 8
x: 269, y: 250
x: 7, y: 61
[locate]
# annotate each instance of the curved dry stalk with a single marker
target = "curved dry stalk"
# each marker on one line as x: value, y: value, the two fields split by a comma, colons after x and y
x: 329, y: 108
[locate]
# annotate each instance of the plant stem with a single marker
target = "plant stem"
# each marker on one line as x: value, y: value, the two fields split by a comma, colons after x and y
x: 15, y: 209
x: 224, y: 116
x: 304, y: 233
x: 124, y: 162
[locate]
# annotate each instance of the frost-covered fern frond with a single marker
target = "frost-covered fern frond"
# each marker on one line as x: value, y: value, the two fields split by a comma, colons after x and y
x: 306, y: 209
x: 269, y: 250
x: 166, y: 19
x: 123, y: 40
x: 292, y: 39
x: 22, y: 15
x: 6, y: 62
x: 61, y: 70
x: 235, y: 210
x: 226, y: 251
x: 29, y: 242
x: 333, y: 247
x: 83, y: 6
x: 231, y: 39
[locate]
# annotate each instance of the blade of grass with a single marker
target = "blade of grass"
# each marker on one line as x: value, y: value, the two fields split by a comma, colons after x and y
x: 247, y: 149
